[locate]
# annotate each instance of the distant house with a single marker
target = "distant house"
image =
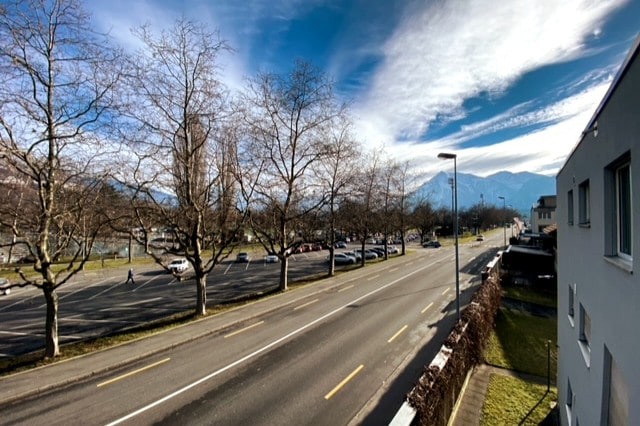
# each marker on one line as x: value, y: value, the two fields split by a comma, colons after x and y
x: 598, y: 191
x: 543, y: 213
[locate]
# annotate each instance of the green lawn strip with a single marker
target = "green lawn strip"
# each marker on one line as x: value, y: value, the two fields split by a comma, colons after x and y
x: 531, y: 296
x: 519, y: 342
x: 513, y: 401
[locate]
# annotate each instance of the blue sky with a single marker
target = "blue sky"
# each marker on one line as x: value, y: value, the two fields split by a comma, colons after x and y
x: 507, y: 85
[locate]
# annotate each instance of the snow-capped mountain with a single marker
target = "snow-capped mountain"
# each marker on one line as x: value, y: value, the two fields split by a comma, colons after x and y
x: 521, y: 190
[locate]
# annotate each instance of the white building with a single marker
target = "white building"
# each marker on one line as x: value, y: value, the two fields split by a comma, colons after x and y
x: 543, y: 214
x: 598, y: 195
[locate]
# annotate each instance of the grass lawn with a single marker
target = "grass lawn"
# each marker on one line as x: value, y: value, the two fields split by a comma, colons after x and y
x: 512, y: 401
x: 527, y: 295
x: 519, y: 342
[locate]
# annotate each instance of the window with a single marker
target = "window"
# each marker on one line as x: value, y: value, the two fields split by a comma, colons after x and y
x: 623, y: 207
x: 615, y: 393
x: 570, y: 207
x: 572, y: 292
x: 585, y: 335
x: 569, y: 403
x: 618, y: 213
x: 584, y: 201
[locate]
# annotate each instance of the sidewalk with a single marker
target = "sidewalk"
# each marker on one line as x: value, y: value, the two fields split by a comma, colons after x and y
x: 34, y: 381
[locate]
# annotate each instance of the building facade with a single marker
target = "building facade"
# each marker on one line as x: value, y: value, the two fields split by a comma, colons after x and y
x: 598, y: 195
x: 543, y: 214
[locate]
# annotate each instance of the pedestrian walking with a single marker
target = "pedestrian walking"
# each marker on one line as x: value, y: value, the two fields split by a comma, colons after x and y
x: 130, y: 277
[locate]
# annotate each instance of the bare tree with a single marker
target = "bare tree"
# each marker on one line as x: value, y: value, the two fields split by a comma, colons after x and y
x: 423, y: 218
x: 368, y: 199
x: 56, y: 98
x: 185, y: 172
x: 401, y: 180
x: 336, y: 175
x: 286, y: 116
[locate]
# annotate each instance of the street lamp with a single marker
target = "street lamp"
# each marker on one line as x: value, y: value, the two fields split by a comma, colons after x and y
x: 504, y: 210
x: 448, y: 156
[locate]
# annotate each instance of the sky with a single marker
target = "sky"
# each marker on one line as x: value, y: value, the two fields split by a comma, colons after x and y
x: 506, y: 85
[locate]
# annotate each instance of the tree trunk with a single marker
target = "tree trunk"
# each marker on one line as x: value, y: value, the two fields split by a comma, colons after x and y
x: 52, y: 349
x: 201, y: 298
x: 284, y: 268
x: 332, y: 263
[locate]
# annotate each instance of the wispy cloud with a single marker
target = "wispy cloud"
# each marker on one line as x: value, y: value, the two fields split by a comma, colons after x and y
x: 544, y: 150
x: 450, y: 52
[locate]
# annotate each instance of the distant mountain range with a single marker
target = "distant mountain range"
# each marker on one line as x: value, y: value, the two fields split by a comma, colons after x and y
x: 521, y: 190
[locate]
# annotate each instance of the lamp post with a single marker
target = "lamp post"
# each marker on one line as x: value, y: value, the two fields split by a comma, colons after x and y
x: 504, y: 209
x: 449, y: 156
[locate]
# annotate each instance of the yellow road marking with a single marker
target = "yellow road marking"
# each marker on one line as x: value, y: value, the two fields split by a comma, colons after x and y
x: 140, y: 370
x: 397, y: 334
x: 445, y: 291
x: 425, y: 309
x: 373, y: 277
x: 346, y: 288
x: 344, y: 382
x: 306, y: 304
x: 243, y: 329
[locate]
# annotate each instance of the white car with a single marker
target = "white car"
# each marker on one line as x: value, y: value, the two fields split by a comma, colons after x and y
x: 271, y: 258
x: 4, y: 282
x: 178, y: 266
x: 343, y: 259
x: 353, y: 254
x: 393, y: 250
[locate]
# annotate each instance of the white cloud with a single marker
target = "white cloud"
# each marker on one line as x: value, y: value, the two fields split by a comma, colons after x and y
x: 452, y: 51
x: 542, y: 151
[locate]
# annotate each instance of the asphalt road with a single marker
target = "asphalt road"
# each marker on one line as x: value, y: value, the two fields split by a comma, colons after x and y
x: 99, y: 302
x: 346, y: 355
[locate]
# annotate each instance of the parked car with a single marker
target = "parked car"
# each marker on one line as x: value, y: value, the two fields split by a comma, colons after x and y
x: 341, y: 245
x: 6, y: 291
x: 357, y: 256
x: 368, y: 254
x: 432, y: 244
x: 343, y: 259
x: 271, y: 258
x: 393, y: 250
x: 378, y: 250
x: 243, y: 257
x: 178, y: 266
x: 480, y: 238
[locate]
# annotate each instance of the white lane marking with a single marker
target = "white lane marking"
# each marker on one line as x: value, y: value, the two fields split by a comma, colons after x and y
x: 445, y: 291
x: 142, y: 302
x: 425, y: 309
x: 305, y: 304
x: 261, y: 350
x: 150, y: 280
x: 131, y: 373
x: 242, y: 330
x: 106, y: 290
x: 397, y: 334
x: 346, y: 288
